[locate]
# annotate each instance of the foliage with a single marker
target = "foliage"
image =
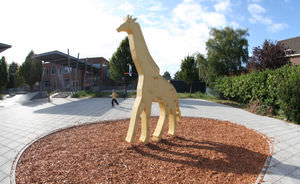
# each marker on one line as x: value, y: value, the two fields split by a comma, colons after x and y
x: 270, y: 56
x: 227, y: 50
x: 277, y: 90
x: 202, y: 67
x: 189, y: 70
x: 178, y: 75
x: 12, y: 70
x: 3, y: 73
x: 31, y: 70
x: 18, y: 79
x: 167, y: 75
x: 119, y: 64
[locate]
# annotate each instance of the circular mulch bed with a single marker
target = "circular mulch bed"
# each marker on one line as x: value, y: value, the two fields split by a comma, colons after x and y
x: 204, y: 151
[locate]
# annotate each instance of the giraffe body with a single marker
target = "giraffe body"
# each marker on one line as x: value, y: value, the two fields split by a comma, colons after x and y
x: 151, y: 88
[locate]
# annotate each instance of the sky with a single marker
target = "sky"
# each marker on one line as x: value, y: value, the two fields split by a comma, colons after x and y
x: 173, y: 29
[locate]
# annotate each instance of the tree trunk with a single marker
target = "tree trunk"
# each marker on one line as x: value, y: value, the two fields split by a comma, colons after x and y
x: 191, y: 89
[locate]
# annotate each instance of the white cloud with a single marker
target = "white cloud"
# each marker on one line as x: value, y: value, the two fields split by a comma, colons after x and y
x: 127, y: 7
x: 258, y: 16
x: 156, y: 6
x: 255, y: 9
x: 223, y: 6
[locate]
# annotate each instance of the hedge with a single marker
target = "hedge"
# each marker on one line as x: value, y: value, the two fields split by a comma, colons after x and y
x: 278, y: 89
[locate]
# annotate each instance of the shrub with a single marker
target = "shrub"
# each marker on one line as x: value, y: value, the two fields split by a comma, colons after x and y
x: 276, y: 90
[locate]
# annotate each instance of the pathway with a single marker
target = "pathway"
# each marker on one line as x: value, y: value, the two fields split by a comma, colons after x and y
x: 22, y: 123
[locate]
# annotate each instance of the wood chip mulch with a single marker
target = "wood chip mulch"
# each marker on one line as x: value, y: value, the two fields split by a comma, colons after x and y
x: 204, y: 151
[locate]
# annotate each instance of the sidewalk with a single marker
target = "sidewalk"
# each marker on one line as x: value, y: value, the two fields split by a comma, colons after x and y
x: 20, y: 124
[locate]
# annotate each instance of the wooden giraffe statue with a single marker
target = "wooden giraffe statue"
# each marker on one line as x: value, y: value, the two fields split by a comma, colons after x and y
x: 151, y: 88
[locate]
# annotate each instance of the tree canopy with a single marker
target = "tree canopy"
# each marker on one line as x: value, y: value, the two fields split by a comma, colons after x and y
x: 119, y: 64
x: 31, y: 70
x: 189, y: 70
x: 12, y: 70
x: 3, y: 73
x: 167, y: 75
x: 227, y: 50
x: 202, y: 67
x: 270, y: 56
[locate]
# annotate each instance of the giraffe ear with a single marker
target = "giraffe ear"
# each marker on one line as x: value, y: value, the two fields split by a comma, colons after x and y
x: 133, y: 20
x: 126, y: 18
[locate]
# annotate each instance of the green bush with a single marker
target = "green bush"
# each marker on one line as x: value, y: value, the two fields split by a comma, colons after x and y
x: 277, y: 90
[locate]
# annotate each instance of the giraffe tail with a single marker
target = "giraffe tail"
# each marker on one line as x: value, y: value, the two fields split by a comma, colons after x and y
x: 178, y: 114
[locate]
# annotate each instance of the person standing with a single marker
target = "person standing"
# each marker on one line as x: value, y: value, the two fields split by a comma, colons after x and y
x: 114, y: 98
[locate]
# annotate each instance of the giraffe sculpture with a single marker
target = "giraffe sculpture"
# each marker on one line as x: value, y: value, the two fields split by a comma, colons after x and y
x: 151, y: 88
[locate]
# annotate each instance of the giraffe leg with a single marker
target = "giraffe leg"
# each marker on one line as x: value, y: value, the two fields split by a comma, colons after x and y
x: 172, y: 122
x: 145, y: 128
x: 161, y: 122
x: 136, y: 111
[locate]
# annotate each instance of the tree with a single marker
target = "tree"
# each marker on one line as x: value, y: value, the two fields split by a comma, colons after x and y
x: 270, y: 56
x: 189, y: 71
x: 3, y: 74
x: 12, y: 70
x: 202, y: 67
x: 31, y: 70
x: 167, y: 75
x: 227, y: 50
x: 119, y: 64
x: 178, y: 75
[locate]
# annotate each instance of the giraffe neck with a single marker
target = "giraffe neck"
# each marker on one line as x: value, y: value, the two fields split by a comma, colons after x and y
x: 139, y: 50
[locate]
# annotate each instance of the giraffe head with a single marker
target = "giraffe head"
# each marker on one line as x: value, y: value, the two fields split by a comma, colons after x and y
x: 127, y: 25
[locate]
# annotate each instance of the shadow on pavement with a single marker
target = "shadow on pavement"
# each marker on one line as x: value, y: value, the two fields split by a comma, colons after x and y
x: 84, y: 107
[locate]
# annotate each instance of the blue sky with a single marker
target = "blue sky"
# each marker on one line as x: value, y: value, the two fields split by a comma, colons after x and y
x: 172, y: 29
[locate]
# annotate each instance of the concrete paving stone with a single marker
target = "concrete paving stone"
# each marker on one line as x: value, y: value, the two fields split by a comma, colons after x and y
x: 3, y: 149
x: 5, y: 180
x: 5, y: 168
x: 3, y: 160
x: 271, y: 178
x: 3, y: 176
x: 287, y: 180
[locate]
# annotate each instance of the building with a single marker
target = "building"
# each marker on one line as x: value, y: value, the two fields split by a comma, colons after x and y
x: 3, y: 47
x: 293, y: 49
x: 67, y: 73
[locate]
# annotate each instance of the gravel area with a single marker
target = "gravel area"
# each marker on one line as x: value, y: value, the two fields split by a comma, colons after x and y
x: 204, y: 151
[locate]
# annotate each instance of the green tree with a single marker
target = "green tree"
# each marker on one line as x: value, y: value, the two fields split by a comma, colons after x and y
x: 189, y: 71
x: 270, y: 56
x: 167, y: 75
x: 12, y: 70
x: 119, y: 64
x: 227, y: 50
x: 178, y: 75
x: 31, y: 70
x: 3, y: 74
x: 202, y: 67
x: 18, y: 79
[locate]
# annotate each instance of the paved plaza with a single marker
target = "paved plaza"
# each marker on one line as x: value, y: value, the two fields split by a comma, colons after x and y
x: 22, y: 121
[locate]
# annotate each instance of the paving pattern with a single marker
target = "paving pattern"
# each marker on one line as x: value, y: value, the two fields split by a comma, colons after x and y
x: 20, y: 123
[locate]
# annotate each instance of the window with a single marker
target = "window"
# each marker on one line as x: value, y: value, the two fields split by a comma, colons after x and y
x: 67, y: 69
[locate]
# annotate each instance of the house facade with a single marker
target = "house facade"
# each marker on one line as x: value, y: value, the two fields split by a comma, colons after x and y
x: 66, y: 73
x: 293, y: 49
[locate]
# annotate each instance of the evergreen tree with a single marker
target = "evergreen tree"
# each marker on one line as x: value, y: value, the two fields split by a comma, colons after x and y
x: 31, y: 70
x: 3, y: 74
x: 12, y: 70
x: 167, y: 75
x: 119, y: 64
x: 189, y: 71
